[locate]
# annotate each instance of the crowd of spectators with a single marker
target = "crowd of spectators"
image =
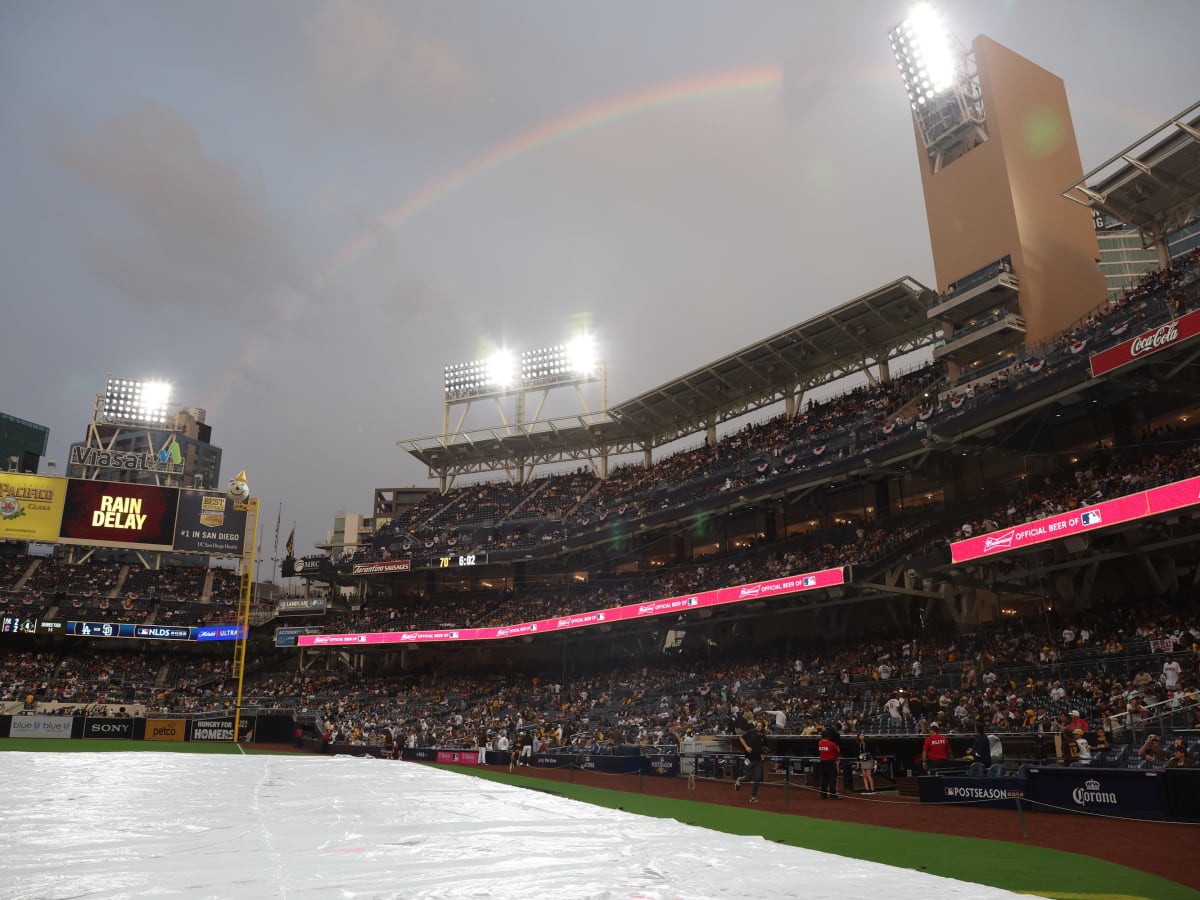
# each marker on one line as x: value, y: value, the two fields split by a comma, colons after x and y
x: 500, y: 517
x: 1119, y: 666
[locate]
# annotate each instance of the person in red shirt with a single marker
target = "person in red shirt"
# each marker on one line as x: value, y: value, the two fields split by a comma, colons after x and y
x: 829, y: 752
x: 936, y: 751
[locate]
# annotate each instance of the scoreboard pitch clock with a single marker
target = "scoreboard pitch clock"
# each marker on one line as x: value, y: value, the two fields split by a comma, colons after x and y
x: 458, y: 561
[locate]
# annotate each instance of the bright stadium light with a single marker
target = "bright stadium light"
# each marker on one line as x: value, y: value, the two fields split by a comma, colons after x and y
x: 581, y: 354
x: 501, y: 369
x: 942, y: 83
x: 503, y: 372
x: 131, y: 402
x: 927, y: 54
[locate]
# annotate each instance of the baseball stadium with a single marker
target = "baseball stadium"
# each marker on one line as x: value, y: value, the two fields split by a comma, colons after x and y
x: 901, y: 600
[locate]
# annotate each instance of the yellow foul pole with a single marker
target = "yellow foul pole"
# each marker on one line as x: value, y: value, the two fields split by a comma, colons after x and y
x: 250, y: 505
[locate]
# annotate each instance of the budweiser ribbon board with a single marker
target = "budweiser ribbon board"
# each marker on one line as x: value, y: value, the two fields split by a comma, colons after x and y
x: 760, y: 590
x: 1171, y: 334
x: 1177, y: 495
x: 1051, y: 528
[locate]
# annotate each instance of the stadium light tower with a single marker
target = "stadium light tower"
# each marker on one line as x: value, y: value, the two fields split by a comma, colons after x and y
x: 995, y: 142
x: 136, y: 422
x: 137, y: 403
x: 943, y: 87
x: 504, y: 374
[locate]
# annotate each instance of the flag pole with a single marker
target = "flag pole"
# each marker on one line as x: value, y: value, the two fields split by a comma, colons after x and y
x: 275, y: 555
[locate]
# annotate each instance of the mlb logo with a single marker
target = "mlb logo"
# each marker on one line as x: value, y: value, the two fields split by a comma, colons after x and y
x: 808, y: 580
x: 1091, y: 517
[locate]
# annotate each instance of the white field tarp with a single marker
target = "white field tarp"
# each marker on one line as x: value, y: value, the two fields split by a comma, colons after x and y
x: 174, y: 825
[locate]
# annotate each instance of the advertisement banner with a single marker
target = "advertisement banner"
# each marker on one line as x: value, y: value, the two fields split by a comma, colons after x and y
x: 40, y: 727
x: 300, y: 606
x: 286, y: 636
x: 761, y: 590
x: 459, y: 757
x: 31, y: 507
x: 383, y: 567
x: 1173, y: 496
x: 218, y: 632
x: 1127, y: 793
x: 108, y: 728
x: 208, y: 523
x: 172, y: 730
x: 217, y: 729
x: 994, y: 793
x: 1172, y: 334
x: 666, y: 764
x: 1076, y: 521
x: 115, y: 514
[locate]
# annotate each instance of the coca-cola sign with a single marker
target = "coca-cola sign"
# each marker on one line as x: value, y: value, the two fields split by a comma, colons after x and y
x: 1167, y: 335
x: 1151, y: 341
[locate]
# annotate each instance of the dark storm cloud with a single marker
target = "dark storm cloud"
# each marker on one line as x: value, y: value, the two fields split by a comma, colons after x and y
x: 192, y: 231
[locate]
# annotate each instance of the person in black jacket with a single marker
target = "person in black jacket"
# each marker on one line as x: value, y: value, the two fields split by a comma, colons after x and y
x: 981, y: 750
x: 753, y: 742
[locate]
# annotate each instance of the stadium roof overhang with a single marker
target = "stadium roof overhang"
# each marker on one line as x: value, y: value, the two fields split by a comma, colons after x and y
x: 1152, y: 185
x: 857, y: 336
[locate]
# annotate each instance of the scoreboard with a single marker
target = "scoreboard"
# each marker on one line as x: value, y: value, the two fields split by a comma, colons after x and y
x: 458, y: 561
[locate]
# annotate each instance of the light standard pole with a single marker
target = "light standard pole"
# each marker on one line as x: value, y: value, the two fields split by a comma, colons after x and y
x: 239, y: 491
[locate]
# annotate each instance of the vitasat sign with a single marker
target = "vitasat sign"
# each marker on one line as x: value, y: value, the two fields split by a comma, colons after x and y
x: 118, y: 514
x: 207, y: 522
x: 31, y: 507
x: 168, y: 460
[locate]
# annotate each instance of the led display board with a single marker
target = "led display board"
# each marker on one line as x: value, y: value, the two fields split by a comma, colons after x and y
x: 119, y: 514
x: 208, y: 522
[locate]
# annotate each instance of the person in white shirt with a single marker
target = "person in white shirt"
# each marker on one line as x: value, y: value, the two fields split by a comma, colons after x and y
x: 893, y: 707
x: 1083, y: 750
x: 1170, y: 673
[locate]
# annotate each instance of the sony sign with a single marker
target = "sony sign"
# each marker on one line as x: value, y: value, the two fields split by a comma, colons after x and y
x: 108, y: 728
x: 121, y: 459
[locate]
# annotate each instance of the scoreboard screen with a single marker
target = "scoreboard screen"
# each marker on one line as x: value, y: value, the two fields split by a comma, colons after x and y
x: 458, y: 561
x: 119, y: 514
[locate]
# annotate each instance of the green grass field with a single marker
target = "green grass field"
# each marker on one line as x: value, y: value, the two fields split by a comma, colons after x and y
x: 1032, y: 870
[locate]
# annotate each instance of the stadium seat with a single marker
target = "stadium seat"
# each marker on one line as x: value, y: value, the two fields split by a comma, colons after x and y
x: 996, y: 770
x: 1023, y: 771
x: 975, y: 770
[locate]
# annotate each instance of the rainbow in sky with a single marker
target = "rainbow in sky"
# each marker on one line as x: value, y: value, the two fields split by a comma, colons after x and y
x: 590, y: 117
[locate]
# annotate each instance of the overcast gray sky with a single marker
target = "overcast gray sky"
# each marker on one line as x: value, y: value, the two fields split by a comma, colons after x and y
x: 299, y: 212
